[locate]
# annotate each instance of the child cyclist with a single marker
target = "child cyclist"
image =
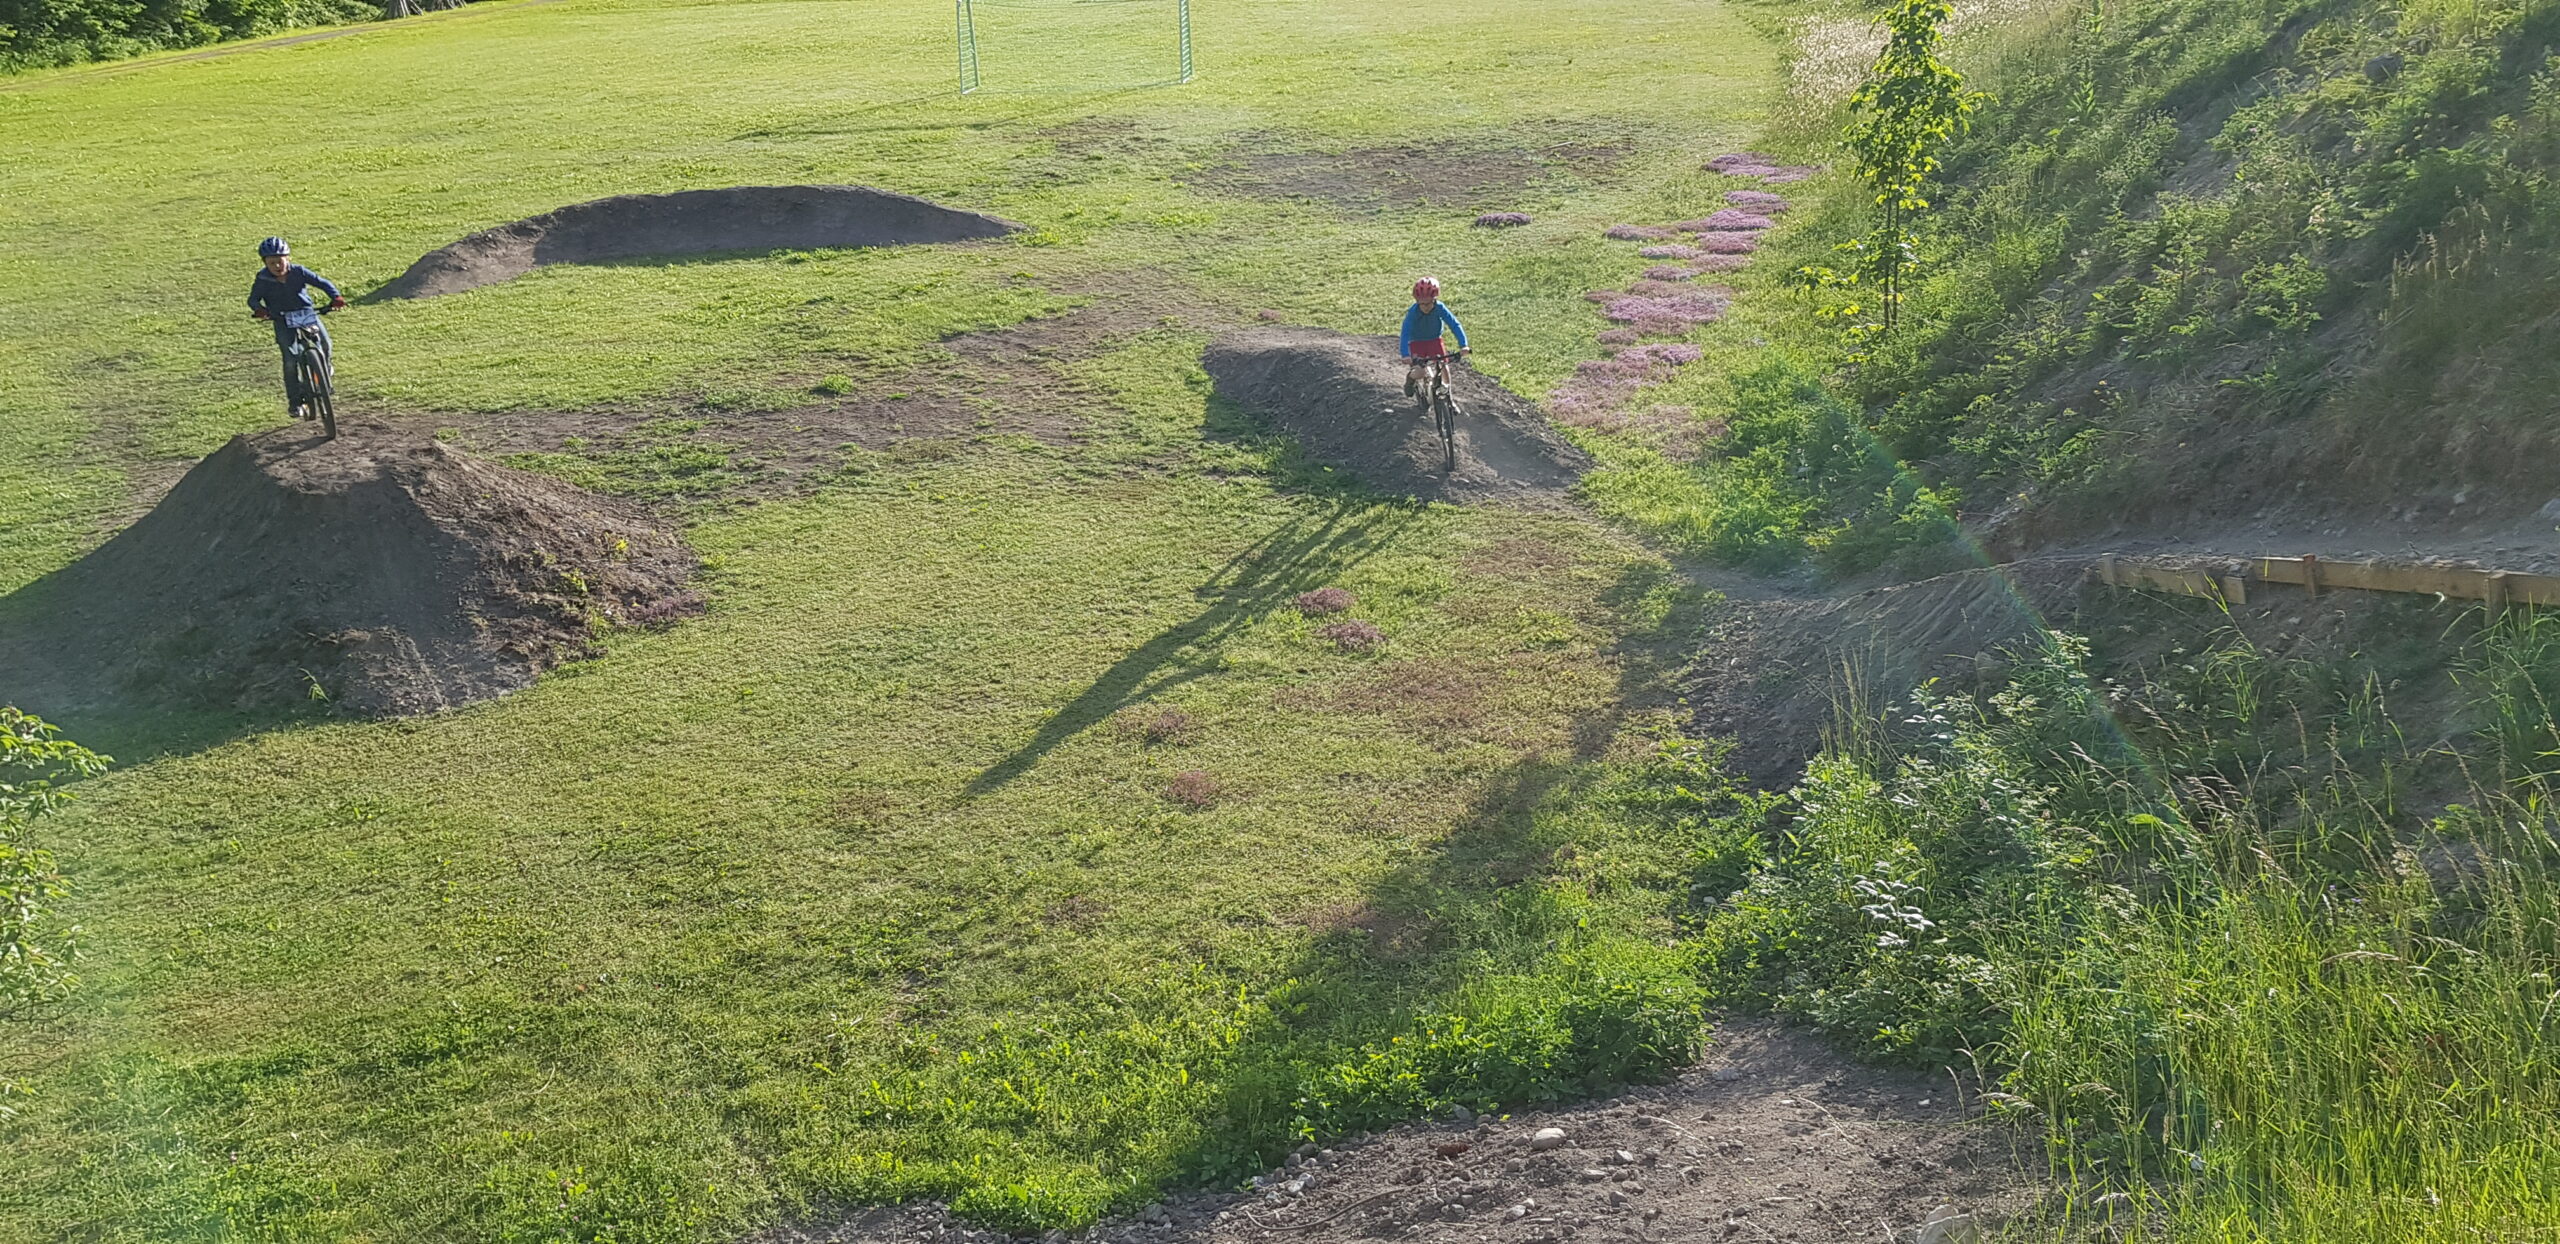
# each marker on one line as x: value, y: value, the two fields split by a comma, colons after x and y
x: 276, y: 294
x: 1423, y: 322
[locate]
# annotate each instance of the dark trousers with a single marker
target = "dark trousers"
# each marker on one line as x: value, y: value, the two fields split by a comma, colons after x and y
x: 293, y: 394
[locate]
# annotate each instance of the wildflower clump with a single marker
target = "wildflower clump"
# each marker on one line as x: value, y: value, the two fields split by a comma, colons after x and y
x: 1730, y: 220
x: 1762, y: 166
x: 1599, y: 386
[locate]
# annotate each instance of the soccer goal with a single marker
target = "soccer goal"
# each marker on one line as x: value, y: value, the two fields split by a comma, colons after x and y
x: 1073, y: 45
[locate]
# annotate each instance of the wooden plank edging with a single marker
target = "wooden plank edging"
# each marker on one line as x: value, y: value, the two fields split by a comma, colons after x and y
x: 2497, y: 588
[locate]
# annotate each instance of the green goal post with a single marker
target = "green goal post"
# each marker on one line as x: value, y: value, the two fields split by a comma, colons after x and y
x: 1113, y: 44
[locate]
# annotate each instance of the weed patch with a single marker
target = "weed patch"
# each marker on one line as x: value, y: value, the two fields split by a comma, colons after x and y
x: 1325, y: 600
x: 2183, y: 920
x: 1353, y: 636
x: 1194, y: 789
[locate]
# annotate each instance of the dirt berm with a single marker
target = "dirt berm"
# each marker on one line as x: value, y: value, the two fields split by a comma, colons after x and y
x: 691, y: 222
x: 1343, y: 398
x: 1774, y: 673
x: 383, y: 573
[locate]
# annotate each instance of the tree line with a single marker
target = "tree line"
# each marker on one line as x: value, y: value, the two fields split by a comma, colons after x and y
x: 36, y: 34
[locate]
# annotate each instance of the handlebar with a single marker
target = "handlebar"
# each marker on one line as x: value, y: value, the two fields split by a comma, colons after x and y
x: 323, y: 309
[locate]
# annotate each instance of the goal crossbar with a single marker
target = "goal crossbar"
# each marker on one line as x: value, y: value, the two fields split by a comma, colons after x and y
x: 965, y: 20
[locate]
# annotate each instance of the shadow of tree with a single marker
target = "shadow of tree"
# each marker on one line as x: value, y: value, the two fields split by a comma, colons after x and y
x: 1507, y: 900
x: 1299, y: 556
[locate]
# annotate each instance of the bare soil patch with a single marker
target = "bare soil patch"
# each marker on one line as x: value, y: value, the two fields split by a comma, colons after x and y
x: 1001, y: 382
x: 691, y: 222
x: 1342, y: 397
x: 384, y: 572
x: 1771, y: 1137
x: 1450, y: 173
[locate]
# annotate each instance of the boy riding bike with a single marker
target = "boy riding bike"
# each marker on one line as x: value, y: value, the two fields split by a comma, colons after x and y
x: 1421, y: 342
x: 277, y: 294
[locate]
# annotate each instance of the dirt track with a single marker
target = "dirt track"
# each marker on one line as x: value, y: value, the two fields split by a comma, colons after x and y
x: 1341, y: 396
x: 691, y: 222
x: 1771, y: 1137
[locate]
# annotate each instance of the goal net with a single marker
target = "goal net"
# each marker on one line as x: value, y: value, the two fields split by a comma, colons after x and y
x: 1071, y: 45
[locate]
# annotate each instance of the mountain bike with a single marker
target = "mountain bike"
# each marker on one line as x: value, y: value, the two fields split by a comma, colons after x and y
x: 1436, y: 400
x: 309, y: 377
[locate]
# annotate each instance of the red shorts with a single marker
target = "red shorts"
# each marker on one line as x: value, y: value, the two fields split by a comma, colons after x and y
x: 1431, y: 349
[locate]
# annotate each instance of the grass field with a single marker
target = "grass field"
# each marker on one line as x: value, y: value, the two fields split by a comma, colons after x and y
x: 866, y: 885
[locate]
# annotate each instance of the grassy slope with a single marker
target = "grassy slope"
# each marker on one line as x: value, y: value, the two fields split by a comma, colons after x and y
x: 2198, y: 260
x: 846, y: 889
x: 2254, y: 915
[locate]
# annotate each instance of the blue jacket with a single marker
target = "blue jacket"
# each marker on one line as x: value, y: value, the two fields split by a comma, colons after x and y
x: 282, y: 296
x: 1420, y: 325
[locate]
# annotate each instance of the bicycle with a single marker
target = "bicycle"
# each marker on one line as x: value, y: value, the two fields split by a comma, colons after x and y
x: 307, y: 365
x: 1436, y: 399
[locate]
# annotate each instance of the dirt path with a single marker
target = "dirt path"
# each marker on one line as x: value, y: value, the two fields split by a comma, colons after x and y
x: 1771, y: 1137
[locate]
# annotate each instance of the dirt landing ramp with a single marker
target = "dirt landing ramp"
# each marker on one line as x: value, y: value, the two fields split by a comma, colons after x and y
x: 1343, y: 398
x: 383, y: 572
x: 691, y: 222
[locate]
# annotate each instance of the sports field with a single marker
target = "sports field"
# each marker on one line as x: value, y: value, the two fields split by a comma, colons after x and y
x: 866, y: 885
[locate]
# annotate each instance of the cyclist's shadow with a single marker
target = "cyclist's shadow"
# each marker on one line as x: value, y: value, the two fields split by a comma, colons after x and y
x: 1300, y: 556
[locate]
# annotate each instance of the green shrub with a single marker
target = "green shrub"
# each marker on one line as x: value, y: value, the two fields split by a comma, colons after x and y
x: 1799, y: 476
x: 37, y: 947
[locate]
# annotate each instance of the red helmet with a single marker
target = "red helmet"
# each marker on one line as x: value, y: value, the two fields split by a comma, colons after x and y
x: 1427, y: 287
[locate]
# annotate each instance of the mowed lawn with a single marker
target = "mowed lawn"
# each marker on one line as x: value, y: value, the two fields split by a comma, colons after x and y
x: 866, y: 885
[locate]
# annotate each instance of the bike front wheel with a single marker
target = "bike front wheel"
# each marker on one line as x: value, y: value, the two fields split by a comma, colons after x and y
x: 317, y: 388
x: 1446, y: 407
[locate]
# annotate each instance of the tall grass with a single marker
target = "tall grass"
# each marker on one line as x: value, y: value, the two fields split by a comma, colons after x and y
x: 2190, y: 924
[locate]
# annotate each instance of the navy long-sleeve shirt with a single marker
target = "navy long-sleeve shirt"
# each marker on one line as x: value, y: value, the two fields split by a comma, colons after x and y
x: 1421, y: 325
x: 281, y: 296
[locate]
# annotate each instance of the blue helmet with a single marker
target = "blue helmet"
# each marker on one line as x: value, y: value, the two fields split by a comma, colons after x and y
x: 273, y: 247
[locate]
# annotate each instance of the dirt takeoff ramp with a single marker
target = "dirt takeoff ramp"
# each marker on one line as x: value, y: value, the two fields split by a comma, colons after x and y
x: 1343, y: 398
x: 383, y: 573
x: 691, y: 222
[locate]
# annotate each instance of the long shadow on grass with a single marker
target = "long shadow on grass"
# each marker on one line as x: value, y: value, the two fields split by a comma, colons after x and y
x: 43, y: 671
x: 1475, y: 925
x: 1300, y: 556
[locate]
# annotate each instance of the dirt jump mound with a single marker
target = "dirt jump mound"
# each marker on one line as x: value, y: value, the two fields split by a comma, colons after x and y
x: 1343, y: 397
x: 382, y: 573
x: 691, y: 222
